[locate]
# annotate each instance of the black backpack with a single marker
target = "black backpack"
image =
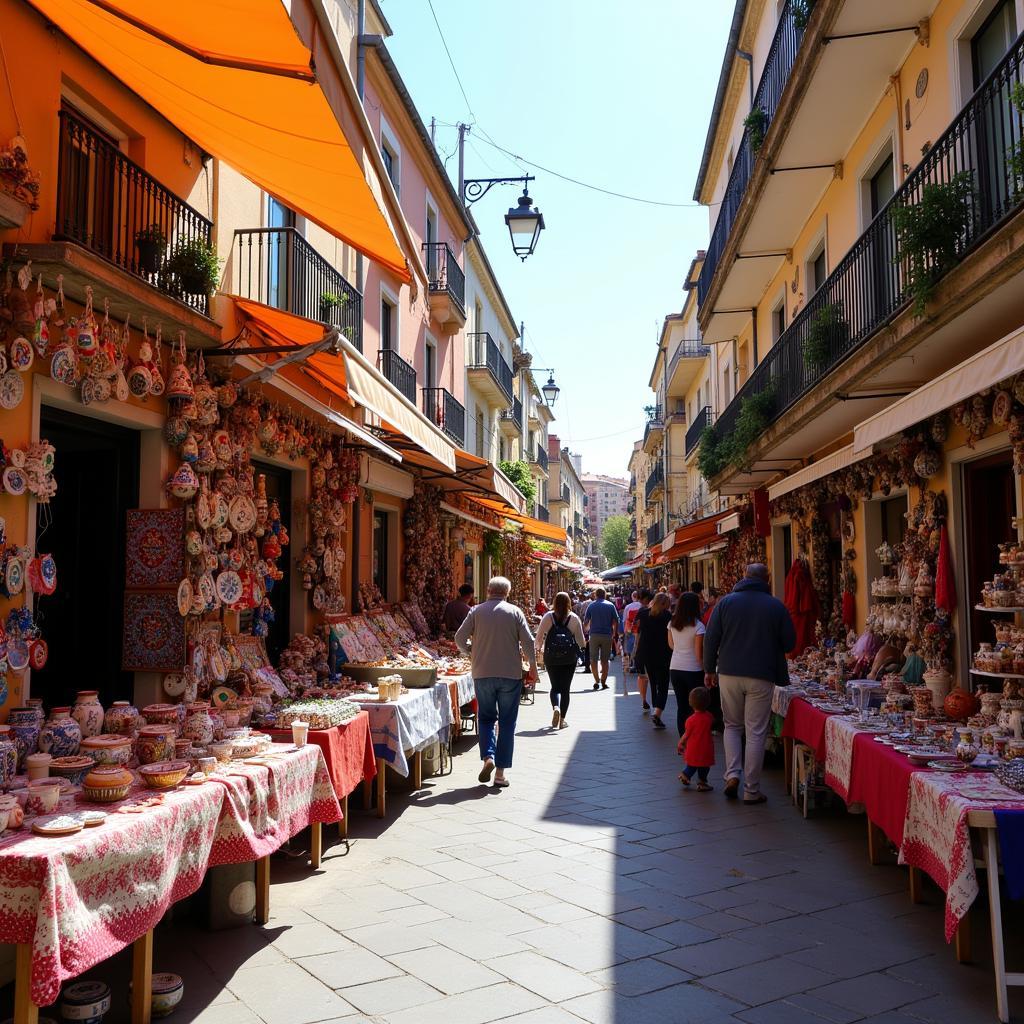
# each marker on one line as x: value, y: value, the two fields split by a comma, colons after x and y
x: 560, y: 647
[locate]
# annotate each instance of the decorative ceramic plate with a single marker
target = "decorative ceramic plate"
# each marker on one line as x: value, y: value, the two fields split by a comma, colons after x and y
x: 229, y: 586
x: 22, y: 354
x: 58, y: 825
x: 174, y: 684
x: 948, y: 766
x: 221, y: 696
x: 63, y: 367
x: 241, y: 513
x: 14, y: 576
x: 927, y: 758
x: 207, y: 589
x: 329, y: 561
x: 14, y: 479
x: 185, y: 595
x: 91, y: 818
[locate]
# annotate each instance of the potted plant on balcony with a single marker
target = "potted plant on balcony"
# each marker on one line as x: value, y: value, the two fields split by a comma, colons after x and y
x: 756, y: 123
x: 329, y: 302
x: 827, y: 332
x: 151, y: 243
x: 802, y: 11
x: 195, y: 266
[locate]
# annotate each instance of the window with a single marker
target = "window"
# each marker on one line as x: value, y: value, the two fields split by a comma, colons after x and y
x: 992, y: 40
x: 282, y: 219
x: 778, y: 320
x: 480, y: 433
x: 818, y: 270
x: 429, y: 365
x: 391, y: 154
x: 387, y: 324
x: 883, y: 186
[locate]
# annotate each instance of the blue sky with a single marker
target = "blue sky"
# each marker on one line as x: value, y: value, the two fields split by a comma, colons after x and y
x: 615, y: 95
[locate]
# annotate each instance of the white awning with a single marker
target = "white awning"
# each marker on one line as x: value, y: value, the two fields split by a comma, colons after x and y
x: 816, y: 470
x: 996, y: 363
x: 729, y: 523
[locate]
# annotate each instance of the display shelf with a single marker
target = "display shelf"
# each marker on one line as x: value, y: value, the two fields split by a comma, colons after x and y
x: 996, y: 675
x: 989, y: 608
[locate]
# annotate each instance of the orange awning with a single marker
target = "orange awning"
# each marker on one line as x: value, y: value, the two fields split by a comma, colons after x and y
x: 475, y: 477
x: 349, y: 376
x: 234, y: 76
x: 653, y: 556
x: 539, y: 529
x: 692, y: 537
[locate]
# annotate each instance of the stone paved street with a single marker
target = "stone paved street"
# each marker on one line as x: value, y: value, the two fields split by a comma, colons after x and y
x: 593, y: 890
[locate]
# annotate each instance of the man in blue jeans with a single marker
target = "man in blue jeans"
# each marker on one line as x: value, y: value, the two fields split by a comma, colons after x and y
x: 602, y: 620
x: 495, y: 636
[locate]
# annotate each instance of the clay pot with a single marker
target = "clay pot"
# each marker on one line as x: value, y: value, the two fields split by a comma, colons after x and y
x: 8, y: 758
x: 60, y: 735
x: 122, y: 719
x: 198, y: 725
x: 939, y: 681
x: 24, y: 723
x: 88, y: 712
x: 960, y: 704
x: 155, y: 743
x: 108, y: 748
x: 163, y: 714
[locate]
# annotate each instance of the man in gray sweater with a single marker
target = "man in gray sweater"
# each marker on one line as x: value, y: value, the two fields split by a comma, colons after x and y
x: 496, y: 636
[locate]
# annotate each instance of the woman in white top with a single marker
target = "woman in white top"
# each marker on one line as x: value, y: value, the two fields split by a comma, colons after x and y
x: 559, y: 641
x: 686, y: 638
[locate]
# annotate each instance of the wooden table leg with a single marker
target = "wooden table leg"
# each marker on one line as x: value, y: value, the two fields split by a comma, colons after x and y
x: 381, y: 789
x: 316, y: 844
x: 916, y: 885
x: 142, y: 979
x: 368, y: 792
x: 995, y: 917
x: 787, y: 763
x: 417, y: 770
x: 962, y: 940
x: 25, y: 1011
x: 876, y: 843
x: 343, y: 827
x: 263, y: 890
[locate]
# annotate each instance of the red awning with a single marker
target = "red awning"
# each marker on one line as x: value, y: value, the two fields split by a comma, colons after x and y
x: 693, y: 537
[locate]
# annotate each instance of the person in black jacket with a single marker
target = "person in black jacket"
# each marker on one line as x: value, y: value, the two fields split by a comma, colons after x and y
x: 745, y: 645
x: 653, y: 625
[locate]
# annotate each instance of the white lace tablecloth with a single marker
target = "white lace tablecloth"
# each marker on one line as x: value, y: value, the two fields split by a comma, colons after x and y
x: 840, y: 732
x: 783, y: 696
x: 467, y: 691
x: 937, y: 838
x: 409, y: 724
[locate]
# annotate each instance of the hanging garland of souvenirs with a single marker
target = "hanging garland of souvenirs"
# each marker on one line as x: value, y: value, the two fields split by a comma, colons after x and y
x: 428, y: 566
x: 743, y: 546
x: 517, y: 567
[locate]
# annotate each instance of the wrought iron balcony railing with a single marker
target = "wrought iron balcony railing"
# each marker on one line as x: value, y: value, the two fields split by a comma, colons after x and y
x: 777, y: 68
x: 655, y: 480
x: 985, y: 143
x: 444, y: 273
x: 399, y: 372
x: 542, y: 514
x: 109, y: 205
x: 514, y: 413
x: 444, y: 409
x: 483, y: 353
x: 278, y: 267
x: 696, y: 428
x: 654, y: 534
x: 539, y: 457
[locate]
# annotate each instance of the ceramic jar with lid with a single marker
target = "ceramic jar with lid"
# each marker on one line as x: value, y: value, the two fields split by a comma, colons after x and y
x: 85, y: 1002
x: 122, y: 718
x: 163, y: 714
x: 88, y: 712
x: 939, y: 681
x: 198, y: 725
x: 60, y: 734
x: 155, y: 743
x: 107, y: 748
x: 24, y: 723
x: 8, y: 758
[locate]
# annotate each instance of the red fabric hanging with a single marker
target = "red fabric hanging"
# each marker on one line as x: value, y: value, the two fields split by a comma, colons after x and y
x: 849, y: 610
x: 801, y: 600
x: 945, y: 582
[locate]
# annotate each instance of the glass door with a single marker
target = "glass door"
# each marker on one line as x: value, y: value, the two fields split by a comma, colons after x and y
x: 280, y: 265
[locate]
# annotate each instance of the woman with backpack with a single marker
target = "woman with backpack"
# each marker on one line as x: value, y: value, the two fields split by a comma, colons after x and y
x: 559, y: 640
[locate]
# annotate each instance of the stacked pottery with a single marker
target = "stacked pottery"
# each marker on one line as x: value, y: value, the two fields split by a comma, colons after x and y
x: 163, y: 714
x: 155, y: 743
x: 199, y: 726
x: 122, y: 718
x: 24, y: 723
x: 88, y: 712
x: 8, y: 758
x: 60, y: 734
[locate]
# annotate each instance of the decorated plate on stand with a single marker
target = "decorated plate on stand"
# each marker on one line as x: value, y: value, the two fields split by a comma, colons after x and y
x: 174, y: 684
x: 221, y: 696
x: 185, y: 596
x: 229, y: 586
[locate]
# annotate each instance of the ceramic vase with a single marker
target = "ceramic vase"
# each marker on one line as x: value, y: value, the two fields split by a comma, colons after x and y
x: 24, y: 723
x: 88, y: 712
x: 8, y: 758
x: 36, y: 703
x: 939, y: 681
x: 122, y: 718
x: 198, y: 724
x: 967, y: 749
x: 60, y: 734
x: 163, y: 714
x: 219, y: 725
x: 155, y: 743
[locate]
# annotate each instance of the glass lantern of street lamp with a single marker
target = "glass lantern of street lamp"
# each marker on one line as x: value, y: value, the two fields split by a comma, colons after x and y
x: 524, y: 225
x: 550, y: 390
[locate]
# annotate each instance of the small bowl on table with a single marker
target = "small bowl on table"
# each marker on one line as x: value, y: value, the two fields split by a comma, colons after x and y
x: 222, y: 750
x: 164, y: 774
x: 74, y: 768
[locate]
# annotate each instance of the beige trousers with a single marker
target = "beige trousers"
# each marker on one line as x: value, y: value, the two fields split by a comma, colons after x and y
x: 746, y: 707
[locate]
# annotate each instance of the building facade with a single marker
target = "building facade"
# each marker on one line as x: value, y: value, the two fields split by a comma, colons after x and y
x: 607, y: 496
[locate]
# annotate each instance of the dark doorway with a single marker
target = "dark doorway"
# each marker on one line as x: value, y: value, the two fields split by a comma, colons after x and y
x: 279, y: 486
x: 97, y: 474
x: 989, y: 506
x: 380, y: 553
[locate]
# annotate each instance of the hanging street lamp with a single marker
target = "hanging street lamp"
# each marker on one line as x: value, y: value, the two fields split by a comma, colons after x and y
x: 525, y: 223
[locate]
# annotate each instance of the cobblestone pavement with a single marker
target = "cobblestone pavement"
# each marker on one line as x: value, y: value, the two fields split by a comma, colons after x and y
x: 593, y: 889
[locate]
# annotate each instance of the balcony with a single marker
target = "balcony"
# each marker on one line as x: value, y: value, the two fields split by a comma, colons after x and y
x: 538, y: 457
x: 561, y: 497
x: 543, y: 514
x: 684, y: 366
x: 488, y: 372
x: 654, y: 432
x: 398, y: 371
x: 510, y: 422
x: 872, y: 284
x: 441, y: 407
x: 702, y: 420
x: 655, y: 483
x: 586, y: 523
x: 278, y: 267
x: 447, y: 284
x: 654, y: 534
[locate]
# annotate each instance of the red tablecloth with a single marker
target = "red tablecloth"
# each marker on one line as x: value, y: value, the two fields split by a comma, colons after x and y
x: 347, y: 749
x: 806, y: 724
x: 881, y: 782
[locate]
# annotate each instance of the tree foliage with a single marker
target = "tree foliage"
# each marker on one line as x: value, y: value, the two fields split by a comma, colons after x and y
x: 519, y: 473
x: 615, y: 539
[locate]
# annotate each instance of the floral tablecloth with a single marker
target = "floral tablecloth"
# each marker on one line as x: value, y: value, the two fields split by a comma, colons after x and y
x: 806, y: 724
x: 937, y: 838
x: 347, y: 750
x: 840, y: 734
x: 783, y: 697
x: 409, y: 724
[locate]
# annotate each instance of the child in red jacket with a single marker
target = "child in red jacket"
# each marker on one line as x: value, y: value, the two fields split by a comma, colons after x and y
x: 696, y: 746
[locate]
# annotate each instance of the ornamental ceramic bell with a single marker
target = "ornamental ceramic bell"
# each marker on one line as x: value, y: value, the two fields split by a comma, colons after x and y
x: 184, y: 483
x: 180, y: 383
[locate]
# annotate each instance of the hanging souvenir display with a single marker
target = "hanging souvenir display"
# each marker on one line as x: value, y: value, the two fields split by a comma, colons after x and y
x: 428, y: 567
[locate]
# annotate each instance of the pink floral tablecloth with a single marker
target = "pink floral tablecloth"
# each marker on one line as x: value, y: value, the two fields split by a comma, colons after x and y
x: 81, y: 898
x: 937, y: 837
x: 840, y: 732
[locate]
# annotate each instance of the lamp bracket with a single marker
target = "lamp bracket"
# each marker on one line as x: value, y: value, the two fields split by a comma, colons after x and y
x: 476, y: 188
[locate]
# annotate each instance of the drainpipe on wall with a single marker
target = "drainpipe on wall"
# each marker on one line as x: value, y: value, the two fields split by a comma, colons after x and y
x: 360, y: 87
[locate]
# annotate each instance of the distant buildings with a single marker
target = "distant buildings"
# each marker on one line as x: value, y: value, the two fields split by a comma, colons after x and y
x: 606, y: 496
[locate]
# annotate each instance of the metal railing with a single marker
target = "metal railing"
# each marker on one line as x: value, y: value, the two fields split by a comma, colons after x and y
x: 653, y: 424
x: 444, y: 273
x: 542, y: 514
x: 696, y: 428
x: 778, y: 66
x: 278, y: 267
x: 566, y: 494
x: 687, y: 350
x: 655, y: 480
x: 871, y: 283
x: 514, y: 413
x: 398, y: 371
x: 444, y: 409
x: 483, y: 354
x: 654, y: 534
x: 108, y: 204
x: 540, y: 457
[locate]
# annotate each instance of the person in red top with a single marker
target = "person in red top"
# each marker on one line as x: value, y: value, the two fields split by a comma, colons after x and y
x: 696, y: 746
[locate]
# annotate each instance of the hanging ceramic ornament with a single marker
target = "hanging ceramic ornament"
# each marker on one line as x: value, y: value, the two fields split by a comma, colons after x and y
x: 180, y: 384
x: 41, y: 327
x: 229, y: 586
x: 185, y: 596
x: 21, y: 355
x: 184, y: 483
x: 42, y: 574
x: 121, y: 389
x: 85, y: 329
x: 14, y: 479
x: 242, y: 513
x: 12, y: 390
x: 155, y: 368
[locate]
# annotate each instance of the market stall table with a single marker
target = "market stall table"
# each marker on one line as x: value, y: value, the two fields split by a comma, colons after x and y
x: 348, y: 754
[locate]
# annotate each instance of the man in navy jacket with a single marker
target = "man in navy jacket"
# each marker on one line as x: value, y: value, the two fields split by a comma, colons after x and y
x: 745, y: 646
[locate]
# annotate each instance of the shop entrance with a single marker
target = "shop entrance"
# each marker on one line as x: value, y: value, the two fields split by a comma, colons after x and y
x: 97, y: 474
x: 989, y: 505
